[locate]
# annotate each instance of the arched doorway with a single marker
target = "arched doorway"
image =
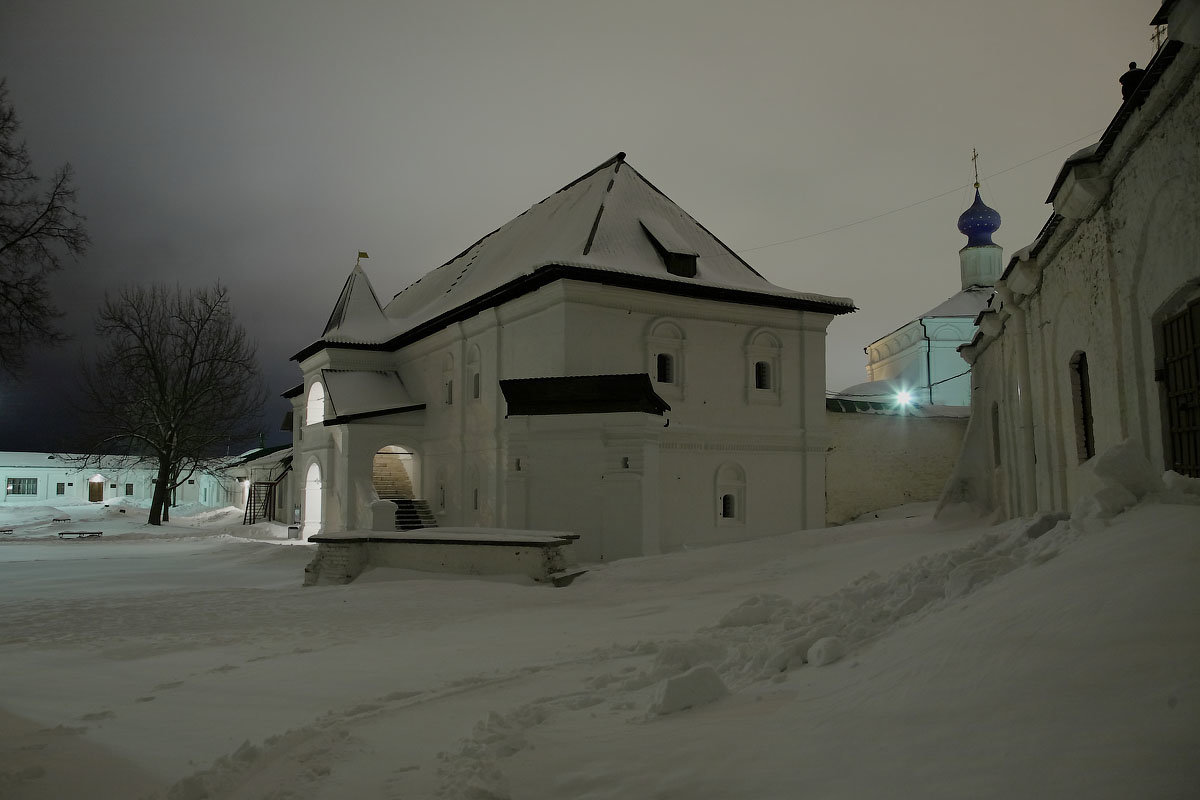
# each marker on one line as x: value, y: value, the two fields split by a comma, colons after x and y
x: 312, y: 501
x: 393, y: 473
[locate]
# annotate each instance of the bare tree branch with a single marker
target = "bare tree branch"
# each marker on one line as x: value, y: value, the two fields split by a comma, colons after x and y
x: 37, y: 228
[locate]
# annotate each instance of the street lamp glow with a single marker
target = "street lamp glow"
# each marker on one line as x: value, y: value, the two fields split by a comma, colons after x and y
x: 904, y: 397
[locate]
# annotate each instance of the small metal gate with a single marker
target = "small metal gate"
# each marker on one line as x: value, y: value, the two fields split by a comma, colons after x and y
x: 1181, y: 357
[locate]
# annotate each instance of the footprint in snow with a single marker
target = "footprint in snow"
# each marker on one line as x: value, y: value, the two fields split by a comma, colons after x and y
x: 171, y: 685
x: 96, y: 716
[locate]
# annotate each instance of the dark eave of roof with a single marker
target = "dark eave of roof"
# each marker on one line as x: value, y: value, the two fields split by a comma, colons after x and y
x: 550, y: 273
x: 295, y: 391
x: 1154, y: 70
x: 583, y: 394
x: 383, y: 412
x: 1164, y: 11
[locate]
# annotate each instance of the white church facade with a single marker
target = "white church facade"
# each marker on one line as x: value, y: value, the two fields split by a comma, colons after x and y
x: 1093, y: 337
x: 920, y: 359
x: 602, y: 364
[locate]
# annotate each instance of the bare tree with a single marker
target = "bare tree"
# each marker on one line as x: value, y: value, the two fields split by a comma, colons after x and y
x: 38, y: 225
x: 176, y: 383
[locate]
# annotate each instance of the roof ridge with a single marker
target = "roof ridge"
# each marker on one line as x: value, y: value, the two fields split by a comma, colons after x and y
x: 699, y: 224
x: 618, y: 159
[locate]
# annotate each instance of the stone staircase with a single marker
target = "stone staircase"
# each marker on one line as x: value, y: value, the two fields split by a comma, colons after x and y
x: 412, y: 514
x: 392, y: 482
x: 390, y: 478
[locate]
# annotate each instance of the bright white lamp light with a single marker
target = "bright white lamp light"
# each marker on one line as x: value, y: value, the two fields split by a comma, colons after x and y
x: 904, y: 398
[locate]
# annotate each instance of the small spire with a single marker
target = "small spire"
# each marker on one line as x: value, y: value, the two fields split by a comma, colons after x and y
x: 361, y: 256
x: 975, y: 163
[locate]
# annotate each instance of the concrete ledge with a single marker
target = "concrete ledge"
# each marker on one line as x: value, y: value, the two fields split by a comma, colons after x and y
x: 541, y: 555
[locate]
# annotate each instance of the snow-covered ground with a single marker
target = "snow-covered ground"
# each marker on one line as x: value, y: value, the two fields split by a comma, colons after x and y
x: 1039, y: 658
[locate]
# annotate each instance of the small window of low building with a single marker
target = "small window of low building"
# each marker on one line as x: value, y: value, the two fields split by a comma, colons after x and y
x: 129, y: 490
x: 60, y: 488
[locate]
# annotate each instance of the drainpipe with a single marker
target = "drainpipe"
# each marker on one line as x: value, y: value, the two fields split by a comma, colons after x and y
x: 928, y: 359
x: 1026, y: 459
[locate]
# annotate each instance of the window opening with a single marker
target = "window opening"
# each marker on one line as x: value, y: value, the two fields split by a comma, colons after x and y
x: 665, y: 368
x: 995, y: 434
x: 1081, y: 393
x: 762, y: 375
x: 60, y: 488
x: 22, y: 486
x: 728, y: 506
x: 129, y: 490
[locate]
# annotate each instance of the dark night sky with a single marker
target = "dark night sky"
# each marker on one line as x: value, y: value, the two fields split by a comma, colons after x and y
x: 264, y: 143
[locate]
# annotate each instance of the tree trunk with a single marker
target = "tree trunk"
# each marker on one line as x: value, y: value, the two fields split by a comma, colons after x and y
x: 160, y: 492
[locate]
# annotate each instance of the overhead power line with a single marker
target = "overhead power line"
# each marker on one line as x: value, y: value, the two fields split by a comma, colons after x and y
x: 915, y: 203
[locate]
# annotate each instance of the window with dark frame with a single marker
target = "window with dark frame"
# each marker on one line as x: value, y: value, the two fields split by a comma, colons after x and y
x: 129, y: 490
x: 728, y: 506
x: 1081, y: 396
x: 665, y: 368
x: 60, y: 488
x: 762, y: 375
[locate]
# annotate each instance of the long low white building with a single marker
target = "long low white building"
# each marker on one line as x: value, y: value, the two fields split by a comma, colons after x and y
x: 60, y: 477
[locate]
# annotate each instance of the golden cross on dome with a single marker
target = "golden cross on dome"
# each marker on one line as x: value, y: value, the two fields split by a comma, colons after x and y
x: 975, y: 162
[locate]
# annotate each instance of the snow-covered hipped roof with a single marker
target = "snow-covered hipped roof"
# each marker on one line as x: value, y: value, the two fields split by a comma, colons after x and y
x: 611, y: 225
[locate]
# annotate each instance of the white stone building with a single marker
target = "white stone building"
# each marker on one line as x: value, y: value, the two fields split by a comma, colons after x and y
x: 920, y: 359
x: 601, y: 364
x: 1094, y: 334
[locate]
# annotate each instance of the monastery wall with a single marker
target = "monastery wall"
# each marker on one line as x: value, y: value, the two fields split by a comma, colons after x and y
x: 880, y: 461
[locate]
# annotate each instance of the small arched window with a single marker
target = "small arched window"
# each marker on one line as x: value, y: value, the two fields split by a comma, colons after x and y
x: 762, y: 375
x: 664, y: 368
x: 731, y: 494
x: 475, y: 386
x: 665, y: 357
x: 314, y: 411
x: 728, y: 506
x: 763, y: 358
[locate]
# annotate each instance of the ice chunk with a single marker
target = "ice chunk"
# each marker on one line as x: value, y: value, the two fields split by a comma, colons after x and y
x: 696, y: 687
x: 1125, y: 465
x: 826, y: 651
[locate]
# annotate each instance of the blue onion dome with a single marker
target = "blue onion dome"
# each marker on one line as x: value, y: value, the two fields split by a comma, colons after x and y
x: 978, y: 222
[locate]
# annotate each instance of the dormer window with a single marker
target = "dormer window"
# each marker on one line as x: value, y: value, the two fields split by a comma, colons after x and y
x: 676, y: 255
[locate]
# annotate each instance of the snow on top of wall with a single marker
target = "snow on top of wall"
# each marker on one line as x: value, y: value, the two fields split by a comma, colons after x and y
x: 967, y: 303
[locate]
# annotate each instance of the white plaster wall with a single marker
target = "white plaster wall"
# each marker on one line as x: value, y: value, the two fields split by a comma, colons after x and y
x: 573, y: 479
x: 881, y: 461
x: 1106, y: 283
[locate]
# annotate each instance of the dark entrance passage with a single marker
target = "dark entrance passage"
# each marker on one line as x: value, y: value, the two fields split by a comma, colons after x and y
x: 1181, y: 358
x: 95, y: 491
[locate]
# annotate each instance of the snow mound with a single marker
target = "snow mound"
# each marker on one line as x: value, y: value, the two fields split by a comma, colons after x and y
x: 696, y: 687
x: 1114, y: 481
